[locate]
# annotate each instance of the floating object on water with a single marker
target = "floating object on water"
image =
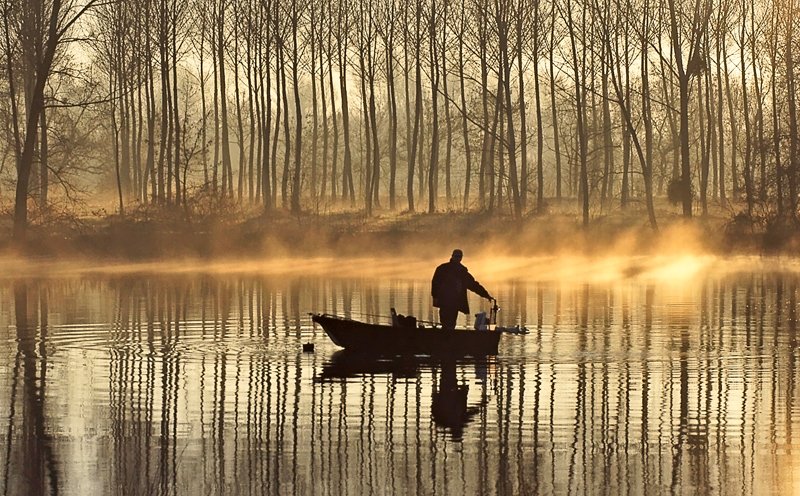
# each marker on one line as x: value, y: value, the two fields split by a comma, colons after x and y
x: 308, y: 347
x: 513, y: 330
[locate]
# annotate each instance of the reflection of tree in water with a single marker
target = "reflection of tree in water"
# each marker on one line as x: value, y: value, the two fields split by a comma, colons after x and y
x: 208, y: 390
x: 35, y: 454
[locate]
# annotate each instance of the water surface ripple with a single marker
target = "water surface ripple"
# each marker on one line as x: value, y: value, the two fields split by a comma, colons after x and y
x: 198, y: 384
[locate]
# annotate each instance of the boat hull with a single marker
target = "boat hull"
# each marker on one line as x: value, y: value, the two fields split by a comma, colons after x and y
x: 396, y: 340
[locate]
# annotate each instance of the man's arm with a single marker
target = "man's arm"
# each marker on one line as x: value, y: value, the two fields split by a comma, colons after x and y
x: 476, y: 287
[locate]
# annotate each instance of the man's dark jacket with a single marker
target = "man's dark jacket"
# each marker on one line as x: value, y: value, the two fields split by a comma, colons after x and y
x: 449, y: 286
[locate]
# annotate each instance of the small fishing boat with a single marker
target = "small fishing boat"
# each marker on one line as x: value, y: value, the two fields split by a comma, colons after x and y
x: 405, y: 336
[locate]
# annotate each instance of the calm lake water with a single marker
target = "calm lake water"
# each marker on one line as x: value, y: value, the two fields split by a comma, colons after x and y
x: 656, y: 378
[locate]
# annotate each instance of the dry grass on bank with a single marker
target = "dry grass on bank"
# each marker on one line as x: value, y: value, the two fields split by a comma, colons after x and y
x: 225, y: 230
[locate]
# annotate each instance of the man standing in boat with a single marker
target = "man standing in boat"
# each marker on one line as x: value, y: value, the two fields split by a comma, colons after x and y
x: 449, y: 286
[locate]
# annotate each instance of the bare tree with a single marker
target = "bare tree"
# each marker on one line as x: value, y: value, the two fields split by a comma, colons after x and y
x: 576, y: 65
x: 58, y: 18
x: 687, y: 29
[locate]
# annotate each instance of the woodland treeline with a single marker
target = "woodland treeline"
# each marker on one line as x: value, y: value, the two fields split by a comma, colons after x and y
x: 417, y: 105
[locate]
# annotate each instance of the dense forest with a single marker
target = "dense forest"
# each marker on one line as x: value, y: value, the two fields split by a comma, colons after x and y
x: 495, y: 106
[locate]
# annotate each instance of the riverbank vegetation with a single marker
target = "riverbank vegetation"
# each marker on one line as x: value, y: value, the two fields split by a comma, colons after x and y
x: 220, y: 228
x: 213, y: 127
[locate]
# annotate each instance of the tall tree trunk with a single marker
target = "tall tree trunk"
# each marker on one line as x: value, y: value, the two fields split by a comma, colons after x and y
x: 483, y: 171
x: 237, y: 93
x: 279, y: 109
x: 314, y: 105
x: 422, y: 175
x: 790, y: 91
x: 523, y: 120
x: 151, y: 117
x: 776, y: 130
x: 608, y: 151
x: 163, y: 176
x: 325, y: 131
x: 669, y: 96
x: 762, y: 151
x: 125, y: 140
x: 703, y: 146
x: 334, y: 120
x: 732, y: 116
x: 647, y: 157
x: 167, y: 137
x: 259, y: 113
x: 449, y: 146
x: 287, y: 140
x: 708, y: 149
x: 497, y: 199
x: 113, y: 100
x: 683, y: 91
x: 747, y: 172
x: 215, y: 159
x: 348, y: 189
x: 390, y: 87
x: 409, y: 145
x: 537, y: 90
x: 227, y: 166
x: 584, y: 177
x: 252, y: 109
x: 298, y: 115
x: 176, y: 110
x: 268, y: 149
x: 464, y: 118
x: 141, y: 183
x: 720, y: 123
x: 43, y: 161
x: 417, y: 107
x: 203, y: 105
x: 433, y: 170
x: 376, y: 160
x: 366, y: 158
x: 513, y: 177
x: 627, y: 131
x: 556, y: 140
x: 498, y: 116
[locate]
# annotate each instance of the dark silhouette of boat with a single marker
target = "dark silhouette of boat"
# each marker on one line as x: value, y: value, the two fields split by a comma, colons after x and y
x: 407, y: 337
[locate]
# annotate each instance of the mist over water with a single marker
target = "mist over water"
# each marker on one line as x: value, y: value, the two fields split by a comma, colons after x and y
x: 639, y: 376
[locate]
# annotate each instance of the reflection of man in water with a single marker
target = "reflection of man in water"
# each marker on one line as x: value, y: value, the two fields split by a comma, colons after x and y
x: 449, y: 287
x: 449, y: 405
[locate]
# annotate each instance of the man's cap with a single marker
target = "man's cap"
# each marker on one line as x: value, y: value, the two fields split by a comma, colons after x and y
x: 457, y: 253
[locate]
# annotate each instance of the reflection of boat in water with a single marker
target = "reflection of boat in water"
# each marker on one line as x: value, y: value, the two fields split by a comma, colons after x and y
x: 407, y: 339
x: 450, y: 409
x: 345, y: 364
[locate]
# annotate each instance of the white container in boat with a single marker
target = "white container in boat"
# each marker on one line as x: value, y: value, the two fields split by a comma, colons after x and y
x: 481, y: 323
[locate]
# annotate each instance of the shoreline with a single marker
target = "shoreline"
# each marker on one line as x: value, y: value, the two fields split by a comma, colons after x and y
x: 149, y: 238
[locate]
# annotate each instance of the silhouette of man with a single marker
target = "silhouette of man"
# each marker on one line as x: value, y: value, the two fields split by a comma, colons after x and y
x: 449, y: 286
